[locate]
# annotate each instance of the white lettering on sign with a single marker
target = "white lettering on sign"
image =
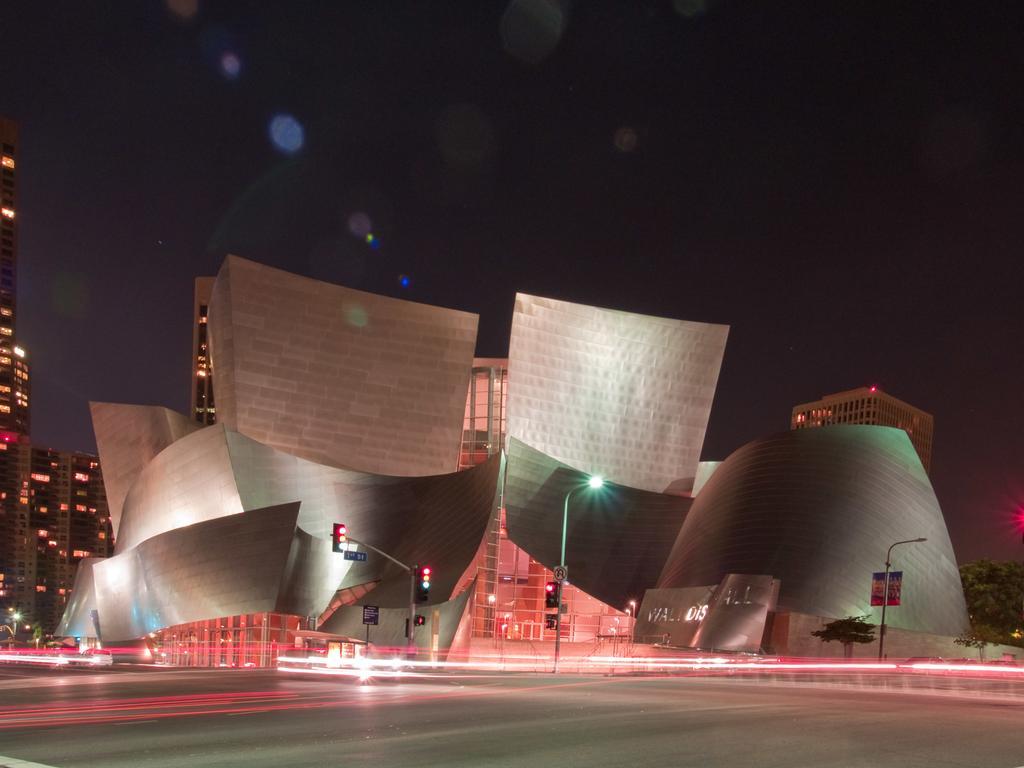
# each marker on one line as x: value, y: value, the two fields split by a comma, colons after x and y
x: 665, y: 614
x: 697, y: 612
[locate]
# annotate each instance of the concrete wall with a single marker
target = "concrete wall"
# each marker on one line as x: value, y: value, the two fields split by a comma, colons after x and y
x: 791, y: 636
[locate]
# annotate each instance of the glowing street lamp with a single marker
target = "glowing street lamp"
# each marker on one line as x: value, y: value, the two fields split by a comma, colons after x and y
x: 885, y: 593
x: 14, y: 617
x: 594, y: 482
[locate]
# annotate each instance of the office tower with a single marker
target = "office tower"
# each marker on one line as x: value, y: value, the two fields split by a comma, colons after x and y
x: 14, y: 378
x: 16, y: 553
x: 203, y: 408
x: 869, y: 405
x: 53, y: 509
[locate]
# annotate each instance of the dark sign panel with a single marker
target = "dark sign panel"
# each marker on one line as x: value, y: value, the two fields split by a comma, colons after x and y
x: 731, y: 615
x: 370, y: 614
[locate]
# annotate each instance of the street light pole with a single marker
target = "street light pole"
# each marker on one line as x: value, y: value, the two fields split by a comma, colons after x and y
x: 594, y: 482
x: 885, y: 593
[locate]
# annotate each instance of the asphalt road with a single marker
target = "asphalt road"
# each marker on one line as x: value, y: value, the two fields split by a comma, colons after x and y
x: 141, y: 719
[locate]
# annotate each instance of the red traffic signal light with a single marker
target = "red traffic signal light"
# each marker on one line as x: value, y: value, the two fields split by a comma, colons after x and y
x: 420, y: 620
x: 423, y: 574
x: 340, y: 537
x: 551, y: 594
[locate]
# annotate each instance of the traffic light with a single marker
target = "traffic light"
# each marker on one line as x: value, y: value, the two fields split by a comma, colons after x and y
x: 551, y: 594
x: 420, y: 620
x: 423, y: 574
x: 340, y: 537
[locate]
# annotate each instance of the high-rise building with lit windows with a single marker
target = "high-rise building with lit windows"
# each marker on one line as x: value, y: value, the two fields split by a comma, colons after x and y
x: 16, y: 554
x: 14, y: 374
x: 53, y: 508
x: 67, y: 521
x: 204, y: 409
x: 869, y: 405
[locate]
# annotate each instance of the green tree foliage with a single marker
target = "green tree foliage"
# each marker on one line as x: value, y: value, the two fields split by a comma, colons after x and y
x: 852, y: 629
x: 979, y: 636
x: 994, y: 592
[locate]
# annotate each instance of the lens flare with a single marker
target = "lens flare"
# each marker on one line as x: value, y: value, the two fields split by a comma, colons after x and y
x: 404, y: 281
x: 230, y: 65
x: 359, y: 224
x: 286, y: 134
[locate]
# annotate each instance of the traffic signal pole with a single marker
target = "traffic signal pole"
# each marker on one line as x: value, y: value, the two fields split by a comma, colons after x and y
x: 412, y: 588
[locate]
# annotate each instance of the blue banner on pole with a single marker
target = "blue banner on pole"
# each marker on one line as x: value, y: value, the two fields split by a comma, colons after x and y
x: 878, y: 587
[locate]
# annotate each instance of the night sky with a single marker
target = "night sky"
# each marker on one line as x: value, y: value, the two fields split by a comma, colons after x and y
x: 841, y: 183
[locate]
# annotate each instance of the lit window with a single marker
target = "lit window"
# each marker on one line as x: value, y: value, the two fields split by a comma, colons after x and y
x: 79, y: 507
x: 40, y: 477
x: 6, y: 331
x: 43, y: 533
x: 19, y: 351
x: 81, y: 477
x: 5, y: 361
x: 7, y: 162
x: 44, y: 510
x: 101, y: 535
x: 62, y: 591
x: 7, y: 212
x: 63, y: 507
x: 80, y: 553
x: 40, y: 587
x: 52, y: 543
x: 6, y: 311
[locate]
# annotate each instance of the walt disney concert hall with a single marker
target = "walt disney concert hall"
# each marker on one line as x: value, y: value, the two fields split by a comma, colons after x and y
x: 339, y: 406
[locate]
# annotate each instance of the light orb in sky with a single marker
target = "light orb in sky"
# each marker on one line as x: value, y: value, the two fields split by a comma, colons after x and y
x: 404, y: 281
x: 230, y: 65
x: 359, y: 224
x: 286, y: 134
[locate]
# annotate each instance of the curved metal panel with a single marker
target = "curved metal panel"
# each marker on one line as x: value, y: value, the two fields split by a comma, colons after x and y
x: 818, y: 509
x: 223, y: 567
x: 189, y: 482
x: 438, y: 519
x: 618, y: 394
x: 390, y: 631
x: 77, y: 619
x: 128, y: 437
x: 618, y: 538
x: 338, y: 376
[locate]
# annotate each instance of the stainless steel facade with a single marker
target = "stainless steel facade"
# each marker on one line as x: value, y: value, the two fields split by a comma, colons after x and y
x: 817, y: 509
x: 618, y: 538
x: 218, y: 524
x: 220, y: 567
x: 338, y: 376
x: 612, y: 393
x: 128, y: 438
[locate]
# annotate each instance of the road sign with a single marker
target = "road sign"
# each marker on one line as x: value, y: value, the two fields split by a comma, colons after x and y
x: 370, y: 614
x: 561, y: 572
x: 360, y: 556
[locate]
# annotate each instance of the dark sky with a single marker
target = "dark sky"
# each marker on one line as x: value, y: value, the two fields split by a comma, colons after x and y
x: 839, y: 182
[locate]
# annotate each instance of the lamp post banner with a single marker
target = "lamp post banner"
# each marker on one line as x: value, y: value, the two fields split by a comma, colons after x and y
x: 878, y: 587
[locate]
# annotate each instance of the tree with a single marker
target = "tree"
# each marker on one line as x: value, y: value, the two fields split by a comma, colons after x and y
x: 852, y: 629
x: 979, y: 636
x: 994, y: 592
x: 37, y: 634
